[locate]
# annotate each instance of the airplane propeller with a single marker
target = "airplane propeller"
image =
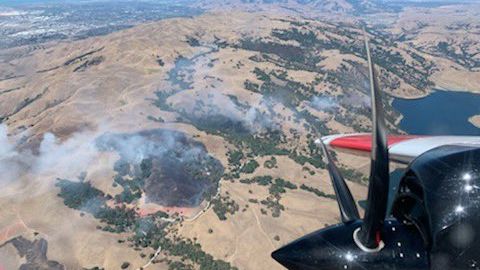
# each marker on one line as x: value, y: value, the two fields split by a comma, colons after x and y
x: 346, y: 203
x: 368, y: 237
x: 357, y: 243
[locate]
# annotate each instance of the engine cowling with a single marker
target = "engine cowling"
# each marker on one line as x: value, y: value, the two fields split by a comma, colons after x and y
x: 440, y: 196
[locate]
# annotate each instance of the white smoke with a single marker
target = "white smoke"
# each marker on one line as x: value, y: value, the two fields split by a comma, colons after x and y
x: 80, y: 153
x: 323, y: 103
x: 257, y: 121
x: 6, y: 149
x: 9, y: 158
x: 134, y: 148
x: 217, y: 104
x: 68, y: 158
x: 54, y: 158
x: 356, y: 99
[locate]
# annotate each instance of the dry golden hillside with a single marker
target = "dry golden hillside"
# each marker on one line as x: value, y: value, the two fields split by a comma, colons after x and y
x: 188, y: 143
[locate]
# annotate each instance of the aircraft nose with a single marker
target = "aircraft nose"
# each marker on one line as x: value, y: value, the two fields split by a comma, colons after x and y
x: 294, y: 256
x: 313, y: 252
x: 281, y: 255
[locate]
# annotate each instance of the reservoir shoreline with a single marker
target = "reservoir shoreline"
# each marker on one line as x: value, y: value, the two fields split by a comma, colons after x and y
x: 441, y: 112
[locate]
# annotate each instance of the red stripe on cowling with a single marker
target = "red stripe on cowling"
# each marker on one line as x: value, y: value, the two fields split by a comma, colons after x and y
x: 364, y: 142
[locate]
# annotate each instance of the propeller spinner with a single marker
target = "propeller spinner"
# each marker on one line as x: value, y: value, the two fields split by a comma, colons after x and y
x: 371, y: 243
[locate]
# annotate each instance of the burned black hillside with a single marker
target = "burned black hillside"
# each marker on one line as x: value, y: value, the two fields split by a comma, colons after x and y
x: 166, y: 166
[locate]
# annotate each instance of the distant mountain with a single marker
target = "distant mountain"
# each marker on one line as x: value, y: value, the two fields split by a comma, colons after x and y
x: 314, y: 5
x: 355, y: 7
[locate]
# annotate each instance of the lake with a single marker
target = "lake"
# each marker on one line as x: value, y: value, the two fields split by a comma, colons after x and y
x: 440, y: 113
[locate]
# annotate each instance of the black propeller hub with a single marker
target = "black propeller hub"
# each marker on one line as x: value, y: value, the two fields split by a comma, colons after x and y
x: 334, y: 248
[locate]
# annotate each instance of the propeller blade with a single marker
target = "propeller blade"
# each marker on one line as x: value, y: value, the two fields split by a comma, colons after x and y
x: 346, y: 203
x: 369, y: 235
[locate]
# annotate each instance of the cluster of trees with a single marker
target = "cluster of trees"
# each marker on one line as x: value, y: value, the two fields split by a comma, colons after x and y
x: 161, y: 101
x: 255, y: 145
x: 353, y: 175
x: 223, y: 205
x: 156, y: 119
x: 250, y: 166
x: 290, y: 53
x: 251, y: 86
x: 260, y: 180
x: 235, y: 158
x: 237, y: 103
x: 262, y: 144
x: 185, y: 254
x: 273, y: 203
x: 84, y: 197
x: 180, y: 75
x: 97, y: 60
x: 315, y: 160
x: 285, y: 55
x: 385, y: 56
x: 276, y: 187
x: 395, y: 63
x: 280, y: 185
x: 270, y: 163
x: 132, y: 188
x: 290, y: 92
x: 317, y: 192
x: 150, y: 231
x: 189, y: 251
x: 80, y: 195
x: 192, y: 41
x: 463, y: 58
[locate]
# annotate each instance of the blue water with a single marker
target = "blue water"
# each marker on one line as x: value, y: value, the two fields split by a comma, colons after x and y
x: 440, y: 113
